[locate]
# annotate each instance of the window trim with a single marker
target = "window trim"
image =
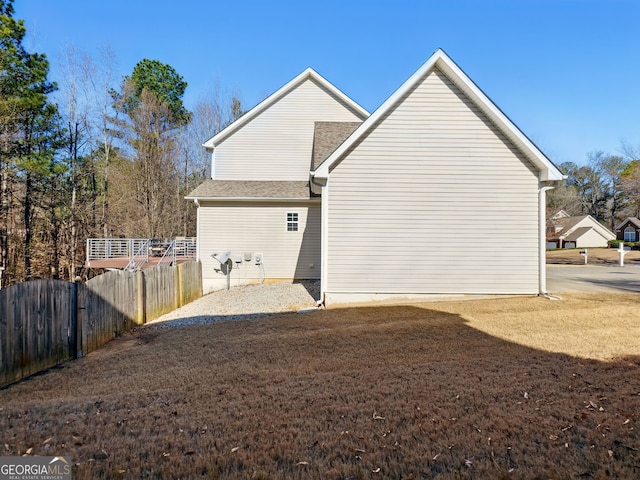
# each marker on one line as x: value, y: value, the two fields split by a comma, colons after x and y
x: 293, y: 221
x: 631, y: 232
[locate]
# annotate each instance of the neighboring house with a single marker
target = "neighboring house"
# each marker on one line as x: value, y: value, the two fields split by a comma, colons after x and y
x: 629, y: 230
x: 576, y: 232
x: 437, y: 192
x: 558, y: 214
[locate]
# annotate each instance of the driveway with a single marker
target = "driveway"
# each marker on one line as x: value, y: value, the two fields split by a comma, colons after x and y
x: 585, y: 278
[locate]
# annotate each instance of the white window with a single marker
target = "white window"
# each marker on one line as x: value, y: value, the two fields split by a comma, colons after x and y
x: 629, y: 234
x: 292, y: 221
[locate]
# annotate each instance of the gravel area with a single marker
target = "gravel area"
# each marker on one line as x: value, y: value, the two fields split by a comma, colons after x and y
x: 238, y: 303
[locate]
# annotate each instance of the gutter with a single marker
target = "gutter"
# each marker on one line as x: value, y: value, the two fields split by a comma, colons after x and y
x: 253, y: 199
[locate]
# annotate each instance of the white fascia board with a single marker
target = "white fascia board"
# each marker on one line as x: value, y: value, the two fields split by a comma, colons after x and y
x: 595, y: 225
x: 632, y: 220
x: 548, y: 171
x: 323, y: 169
x: 589, y: 221
x: 309, y: 73
x: 606, y: 234
x: 604, y: 231
x: 254, y: 199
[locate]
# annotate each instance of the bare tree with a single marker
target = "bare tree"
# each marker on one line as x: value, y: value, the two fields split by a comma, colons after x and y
x: 211, y: 114
x: 609, y: 169
x: 151, y: 135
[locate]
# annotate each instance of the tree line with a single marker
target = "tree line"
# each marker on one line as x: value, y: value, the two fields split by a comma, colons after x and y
x: 92, y: 155
x: 607, y: 187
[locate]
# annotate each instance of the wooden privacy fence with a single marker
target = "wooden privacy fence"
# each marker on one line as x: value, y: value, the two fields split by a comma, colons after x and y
x: 46, y: 322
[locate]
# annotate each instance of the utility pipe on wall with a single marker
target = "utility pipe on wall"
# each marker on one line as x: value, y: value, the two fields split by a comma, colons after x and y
x: 542, y: 224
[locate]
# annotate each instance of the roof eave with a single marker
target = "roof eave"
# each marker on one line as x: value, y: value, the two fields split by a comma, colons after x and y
x: 309, y: 73
x: 548, y: 172
x: 628, y: 219
x: 322, y: 172
x: 252, y: 199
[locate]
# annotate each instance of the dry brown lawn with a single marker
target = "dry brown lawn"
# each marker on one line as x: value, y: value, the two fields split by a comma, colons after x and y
x: 597, y: 256
x: 519, y: 388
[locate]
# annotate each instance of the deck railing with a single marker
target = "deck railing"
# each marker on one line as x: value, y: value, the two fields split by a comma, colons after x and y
x: 184, y: 247
x: 103, y: 248
x: 140, y: 257
x: 138, y: 250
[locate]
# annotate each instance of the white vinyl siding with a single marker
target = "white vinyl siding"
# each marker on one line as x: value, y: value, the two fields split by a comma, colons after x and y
x: 591, y: 238
x: 292, y: 221
x: 277, y: 144
x: 259, y: 228
x: 433, y: 167
x: 596, y: 236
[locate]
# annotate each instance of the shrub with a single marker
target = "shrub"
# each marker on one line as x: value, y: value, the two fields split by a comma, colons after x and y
x: 616, y: 244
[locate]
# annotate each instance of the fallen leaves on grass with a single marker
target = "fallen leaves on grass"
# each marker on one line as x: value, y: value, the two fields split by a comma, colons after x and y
x: 303, y: 390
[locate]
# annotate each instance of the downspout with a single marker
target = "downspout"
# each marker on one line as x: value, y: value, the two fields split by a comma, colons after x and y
x: 542, y: 233
x: 197, y: 204
x: 213, y: 163
x: 324, y: 222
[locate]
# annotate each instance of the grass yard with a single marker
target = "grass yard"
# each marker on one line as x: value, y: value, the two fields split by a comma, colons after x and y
x: 519, y: 388
x: 597, y: 256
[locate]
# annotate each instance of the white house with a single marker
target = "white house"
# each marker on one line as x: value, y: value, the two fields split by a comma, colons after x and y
x: 576, y: 232
x: 435, y: 193
x: 258, y: 205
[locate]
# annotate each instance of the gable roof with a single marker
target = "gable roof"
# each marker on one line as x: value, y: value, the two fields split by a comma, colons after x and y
x: 632, y: 220
x: 559, y: 214
x: 568, y: 223
x: 578, y: 232
x: 547, y: 170
x: 250, y: 190
x: 327, y: 136
x: 308, y: 74
x: 570, y: 232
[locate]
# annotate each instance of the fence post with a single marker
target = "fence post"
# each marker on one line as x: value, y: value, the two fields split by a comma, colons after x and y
x: 141, y: 298
x: 76, y: 320
x: 179, y: 298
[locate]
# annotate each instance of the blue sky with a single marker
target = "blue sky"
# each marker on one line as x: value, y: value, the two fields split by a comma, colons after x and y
x: 565, y: 71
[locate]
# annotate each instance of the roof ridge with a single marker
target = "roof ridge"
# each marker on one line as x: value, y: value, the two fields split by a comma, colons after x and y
x: 308, y: 73
x: 440, y: 60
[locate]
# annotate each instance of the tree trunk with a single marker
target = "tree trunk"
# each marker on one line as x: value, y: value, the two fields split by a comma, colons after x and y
x: 4, y: 217
x: 73, y: 147
x: 28, y: 232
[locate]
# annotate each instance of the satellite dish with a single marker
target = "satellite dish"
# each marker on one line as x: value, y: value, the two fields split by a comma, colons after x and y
x: 222, y: 257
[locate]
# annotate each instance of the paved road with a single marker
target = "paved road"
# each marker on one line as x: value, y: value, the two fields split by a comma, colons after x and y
x: 585, y: 278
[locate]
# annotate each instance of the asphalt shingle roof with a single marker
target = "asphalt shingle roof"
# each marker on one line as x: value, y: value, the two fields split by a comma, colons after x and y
x: 327, y: 137
x: 632, y: 220
x: 251, y: 189
x: 576, y: 234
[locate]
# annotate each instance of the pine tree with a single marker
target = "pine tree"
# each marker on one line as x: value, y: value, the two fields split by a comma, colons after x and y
x: 153, y: 114
x: 28, y: 136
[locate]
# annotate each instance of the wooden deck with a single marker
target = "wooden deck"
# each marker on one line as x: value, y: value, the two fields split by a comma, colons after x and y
x: 120, y: 253
x: 121, y: 263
